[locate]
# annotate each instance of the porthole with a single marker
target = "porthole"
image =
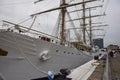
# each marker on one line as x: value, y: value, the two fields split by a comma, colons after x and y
x: 57, y: 50
x: 52, y: 40
x: 40, y: 37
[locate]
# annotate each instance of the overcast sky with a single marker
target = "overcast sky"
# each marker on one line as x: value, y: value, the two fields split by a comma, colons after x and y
x: 19, y: 10
x: 113, y: 19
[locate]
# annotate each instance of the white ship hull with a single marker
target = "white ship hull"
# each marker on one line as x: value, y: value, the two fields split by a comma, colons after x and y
x: 23, y: 62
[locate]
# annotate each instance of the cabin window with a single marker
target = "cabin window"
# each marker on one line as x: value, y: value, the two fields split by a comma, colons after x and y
x: 52, y: 40
x: 3, y: 52
x: 48, y: 39
x: 40, y: 37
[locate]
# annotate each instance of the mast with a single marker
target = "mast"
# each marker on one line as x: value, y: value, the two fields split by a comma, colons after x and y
x: 63, y: 7
x: 84, y: 17
x: 90, y: 24
x: 84, y: 26
x: 63, y: 10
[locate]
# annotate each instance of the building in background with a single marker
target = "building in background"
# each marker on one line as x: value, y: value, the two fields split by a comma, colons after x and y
x: 112, y: 47
x: 98, y: 42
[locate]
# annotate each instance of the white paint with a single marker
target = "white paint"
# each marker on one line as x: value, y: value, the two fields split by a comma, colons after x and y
x: 83, y: 72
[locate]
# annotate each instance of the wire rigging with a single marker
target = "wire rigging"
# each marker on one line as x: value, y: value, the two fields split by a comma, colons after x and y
x: 32, y: 24
x: 25, y: 20
x: 57, y: 26
x: 78, y: 17
x: 75, y: 31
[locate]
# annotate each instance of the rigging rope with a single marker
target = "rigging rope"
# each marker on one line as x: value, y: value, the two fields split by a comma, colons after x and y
x: 17, y: 27
x: 75, y: 31
x: 103, y: 11
x: 78, y: 17
x: 31, y: 24
x: 56, y: 29
x: 24, y: 20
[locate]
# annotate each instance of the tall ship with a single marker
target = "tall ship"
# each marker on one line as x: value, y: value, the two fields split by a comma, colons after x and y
x: 27, y: 53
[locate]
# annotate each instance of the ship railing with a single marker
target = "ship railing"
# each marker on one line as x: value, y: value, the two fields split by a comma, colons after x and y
x: 3, y: 30
x: 54, y: 40
x: 41, y: 36
x: 36, y: 34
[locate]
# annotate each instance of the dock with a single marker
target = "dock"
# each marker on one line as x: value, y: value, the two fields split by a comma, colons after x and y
x: 114, y: 67
x: 107, y: 68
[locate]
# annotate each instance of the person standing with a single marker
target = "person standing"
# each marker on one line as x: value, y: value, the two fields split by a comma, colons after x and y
x: 111, y: 54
